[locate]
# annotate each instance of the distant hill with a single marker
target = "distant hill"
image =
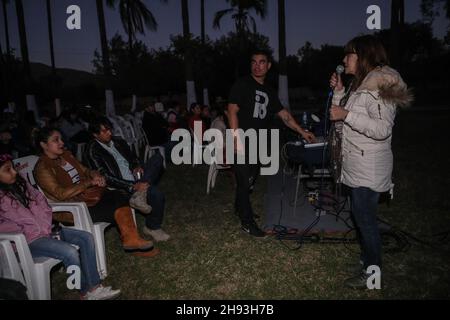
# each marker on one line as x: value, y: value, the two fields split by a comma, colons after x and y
x: 69, y: 77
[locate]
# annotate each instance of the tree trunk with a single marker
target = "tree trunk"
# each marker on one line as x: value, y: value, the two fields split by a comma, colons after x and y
x: 109, y: 95
x: 130, y: 32
x: 23, y: 41
x: 185, y: 17
x: 203, y: 80
x: 7, y: 70
x: 190, y: 84
x: 202, y: 20
x: 5, y: 18
x: 283, y: 87
x: 397, y: 22
x: 52, y: 55
x: 104, y: 44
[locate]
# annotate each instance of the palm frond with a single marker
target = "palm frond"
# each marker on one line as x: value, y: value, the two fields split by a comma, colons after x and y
x: 111, y: 3
x: 253, y: 22
x: 219, y: 15
x: 145, y: 16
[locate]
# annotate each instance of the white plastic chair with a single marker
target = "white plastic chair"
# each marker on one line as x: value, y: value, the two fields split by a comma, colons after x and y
x: 128, y: 130
x: 9, y: 265
x: 196, y: 143
x: 117, y: 129
x: 36, y: 272
x: 81, y: 217
x: 214, y: 169
x: 80, y: 150
x: 150, y: 150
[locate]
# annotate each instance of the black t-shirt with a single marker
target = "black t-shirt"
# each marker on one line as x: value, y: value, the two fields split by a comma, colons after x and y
x: 257, y: 103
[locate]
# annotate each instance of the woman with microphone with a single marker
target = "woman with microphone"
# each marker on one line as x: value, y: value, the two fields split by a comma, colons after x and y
x: 366, y: 110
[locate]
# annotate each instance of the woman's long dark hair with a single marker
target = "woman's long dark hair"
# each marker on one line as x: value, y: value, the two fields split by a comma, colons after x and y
x: 17, y: 190
x: 371, y: 54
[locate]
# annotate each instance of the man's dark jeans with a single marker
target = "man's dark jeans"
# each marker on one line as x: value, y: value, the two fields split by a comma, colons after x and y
x: 246, y: 175
x: 152, y: 173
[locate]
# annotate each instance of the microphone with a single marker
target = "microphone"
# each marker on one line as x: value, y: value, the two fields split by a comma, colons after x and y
x: 340, y: 69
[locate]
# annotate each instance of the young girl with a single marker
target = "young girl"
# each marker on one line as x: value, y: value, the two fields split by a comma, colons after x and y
x: 24, y: 209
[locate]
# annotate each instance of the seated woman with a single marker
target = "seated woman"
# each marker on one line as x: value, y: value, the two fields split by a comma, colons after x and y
x: 24, y: 209
x: 63, y: 178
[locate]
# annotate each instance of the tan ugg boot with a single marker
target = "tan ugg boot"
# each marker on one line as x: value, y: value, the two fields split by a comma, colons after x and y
x: 131, y: 241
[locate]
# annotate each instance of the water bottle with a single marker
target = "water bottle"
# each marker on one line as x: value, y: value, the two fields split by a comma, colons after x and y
x: 56, y: 231
x: 305, y: 120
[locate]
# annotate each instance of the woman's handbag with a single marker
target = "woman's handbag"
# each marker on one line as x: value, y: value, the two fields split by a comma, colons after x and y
x: 92, y: 195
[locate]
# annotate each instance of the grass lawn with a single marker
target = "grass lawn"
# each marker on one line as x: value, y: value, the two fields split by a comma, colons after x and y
x: 209, y: 257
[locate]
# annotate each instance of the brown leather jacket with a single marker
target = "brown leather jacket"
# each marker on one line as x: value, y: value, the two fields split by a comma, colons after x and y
x: 56, y: 183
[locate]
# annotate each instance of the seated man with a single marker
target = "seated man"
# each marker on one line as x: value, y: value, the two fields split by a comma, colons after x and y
x: 114, y: 159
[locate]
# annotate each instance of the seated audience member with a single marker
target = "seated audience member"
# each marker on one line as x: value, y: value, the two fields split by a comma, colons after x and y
x: 73, y: 129
x: 63, y: 178
x: 113, y: 157
x: 6, y: 142
x: 155, y: 126
x: 24, y: 209
x: 221, y: 123
x: 206, y: 116
x: 173, y: 115
x: 196, y: 111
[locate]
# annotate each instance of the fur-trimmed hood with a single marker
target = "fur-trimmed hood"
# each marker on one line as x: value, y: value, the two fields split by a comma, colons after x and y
x: 390, y: 86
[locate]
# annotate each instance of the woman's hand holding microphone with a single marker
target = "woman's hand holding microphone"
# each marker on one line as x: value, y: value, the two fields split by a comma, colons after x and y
x: 336, y: 112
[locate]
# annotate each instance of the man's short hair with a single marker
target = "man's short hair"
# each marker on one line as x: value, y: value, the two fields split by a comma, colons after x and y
x: 96, y: 124
x: 262, y: 52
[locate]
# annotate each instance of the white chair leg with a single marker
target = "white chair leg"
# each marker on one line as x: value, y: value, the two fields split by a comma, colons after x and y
x: 99, y: 240
x: 214, y: 176
x: 210, y: 174
x: 42, y: 278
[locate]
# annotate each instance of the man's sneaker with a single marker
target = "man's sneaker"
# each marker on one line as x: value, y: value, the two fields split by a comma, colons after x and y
x: 157, y: 235
x: 138, y: 201
x: 253, y: 229
x: 101, y: 293
x: 354, y: 268
x: 109, y: 293
x: 357, y: 282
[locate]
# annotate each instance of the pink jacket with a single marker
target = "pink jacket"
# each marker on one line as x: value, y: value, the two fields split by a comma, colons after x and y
x: 34, y: 222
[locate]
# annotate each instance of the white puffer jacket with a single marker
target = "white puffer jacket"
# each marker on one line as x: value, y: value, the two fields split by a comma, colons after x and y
x: 367, y: 132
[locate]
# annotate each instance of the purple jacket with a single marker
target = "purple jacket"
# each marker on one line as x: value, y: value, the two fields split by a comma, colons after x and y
x: 34, y: 223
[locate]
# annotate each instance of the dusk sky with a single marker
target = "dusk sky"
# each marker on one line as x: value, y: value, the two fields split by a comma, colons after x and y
x: 319, y: 21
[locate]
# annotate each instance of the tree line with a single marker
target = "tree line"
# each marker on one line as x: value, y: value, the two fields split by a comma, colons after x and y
x: 191, y: 64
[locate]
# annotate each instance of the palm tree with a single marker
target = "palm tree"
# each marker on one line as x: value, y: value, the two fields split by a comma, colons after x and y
x: 190, y: 84
x: 6, y: 59
x: 397, y: 22
x: 134, y: 15
x: 203, y: 39
x: 283, y: 87
x: 23, y: 40
x: 243, y: 21
x: 202, y: 20
x: 30, y: 99
x: 239, y: 12
x: 52, y: 56
x: 5, y: 19
x: 109, y: 95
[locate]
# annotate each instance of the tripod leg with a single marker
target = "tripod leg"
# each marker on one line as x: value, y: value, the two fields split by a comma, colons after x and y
x: 297, y: 187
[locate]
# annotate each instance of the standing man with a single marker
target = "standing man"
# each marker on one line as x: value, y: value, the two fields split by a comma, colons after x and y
x: 251, y: 105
